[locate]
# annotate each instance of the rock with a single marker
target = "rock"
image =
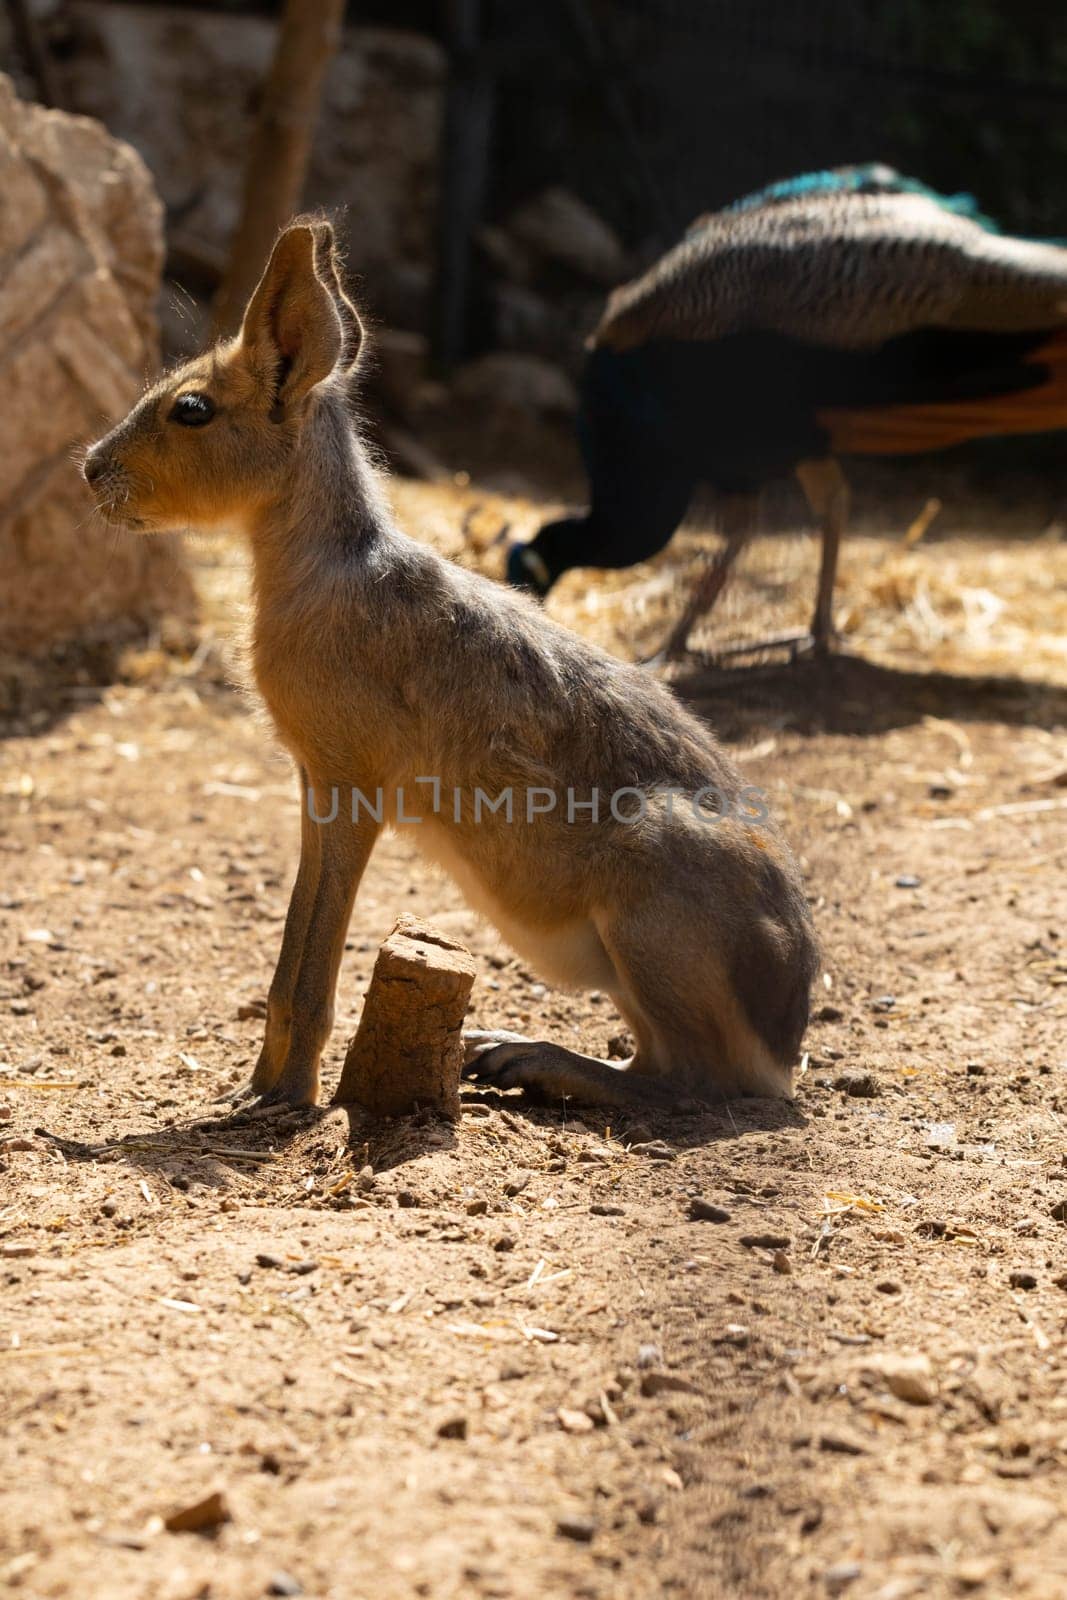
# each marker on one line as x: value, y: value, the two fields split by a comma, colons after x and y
x: 601, y: 1209
x: 908, y: 880
x: 375, y: 156
x: 476, y: 1208
x: 860, y: 1085
x: 1022, y: 1280
x: 656, y: 1383
x: 781, y: 1263
x: 828, y: 1013
x: 453, y: 1428
x: 766, y: 1241
x: 649, y: 1355
x: 408, y: 1051
x: 81, y: 233
x: 557, y: 227
x: 909, y: 1378
x: 705, y: 1211
x: 581, y: 1529
x: 574, y: 1421
x: 838, y: 1578
x: 203, y: 1516
x: 655, y: 1150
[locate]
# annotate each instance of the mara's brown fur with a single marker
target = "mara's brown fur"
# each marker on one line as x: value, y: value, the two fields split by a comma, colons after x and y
x: 384, y: 667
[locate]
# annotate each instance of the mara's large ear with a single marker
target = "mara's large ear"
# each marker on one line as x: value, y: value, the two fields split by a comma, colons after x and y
x: 328, y: 267
x: 292, y: 329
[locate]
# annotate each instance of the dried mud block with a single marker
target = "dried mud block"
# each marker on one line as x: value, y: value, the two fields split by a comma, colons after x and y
x: 408, y: 1051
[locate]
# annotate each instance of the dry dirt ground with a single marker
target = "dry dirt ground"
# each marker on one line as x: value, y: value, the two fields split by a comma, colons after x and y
x: 507, y: 1360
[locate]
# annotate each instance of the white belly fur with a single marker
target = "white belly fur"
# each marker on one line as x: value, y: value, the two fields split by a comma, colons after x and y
x: 570, y: 955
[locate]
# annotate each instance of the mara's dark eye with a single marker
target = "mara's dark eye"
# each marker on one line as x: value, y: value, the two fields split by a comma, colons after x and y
x: 192, y: 410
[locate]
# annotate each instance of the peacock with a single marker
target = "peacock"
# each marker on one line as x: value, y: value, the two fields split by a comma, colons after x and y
x: 847, y: 312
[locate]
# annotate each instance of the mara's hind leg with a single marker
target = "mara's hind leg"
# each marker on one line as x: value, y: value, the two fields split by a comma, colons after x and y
x: 552, y: 1072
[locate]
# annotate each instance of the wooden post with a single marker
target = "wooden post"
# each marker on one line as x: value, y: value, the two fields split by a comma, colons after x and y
x: 407, y: 1052
x: 274, y: 178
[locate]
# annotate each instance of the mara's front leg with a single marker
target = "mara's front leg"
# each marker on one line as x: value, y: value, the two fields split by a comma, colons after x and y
x: 300, y: 1004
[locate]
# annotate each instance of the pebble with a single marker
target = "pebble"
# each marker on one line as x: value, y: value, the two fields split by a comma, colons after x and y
x: 452, y: 1428
x: 837, y: 1579
x: 655, y: 1150
x: 766, y: 1241
x: 888, y: 1286
x: 581, y: 1529
x: 649, y: 1355
x: 860, y: 1085
x: 1058, y: 1213
x: 283, y: 1583
x: 477, y: 1208
x: 517, y: 1185
x: 842, y: 1444
x: 706, y: 1211
x: 782, y: 1263
x: 505, y: 1242
x: 574, y: 1421
x: 1023, y: 1280
x: 407, y: 1200
x: 909, y: 1378
x: 654, y: 1383
x: 211, y: 1512
x: 908, y: 880
x: 829, y: 1014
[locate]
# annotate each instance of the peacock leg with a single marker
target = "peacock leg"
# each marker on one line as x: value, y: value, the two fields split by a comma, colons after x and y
x: 826, y: 490
x: 739, y: 521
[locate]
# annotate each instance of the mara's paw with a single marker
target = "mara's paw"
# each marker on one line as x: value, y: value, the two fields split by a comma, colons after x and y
x: 512, y: 1062
x: 477, y: 1043
x: 289, y: 1092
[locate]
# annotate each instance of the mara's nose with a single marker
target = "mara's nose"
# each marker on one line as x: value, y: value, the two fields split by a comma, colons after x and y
x: 93, y: 467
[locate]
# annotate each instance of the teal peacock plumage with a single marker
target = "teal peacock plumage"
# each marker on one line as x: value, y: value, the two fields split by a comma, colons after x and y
x: 846, y: 312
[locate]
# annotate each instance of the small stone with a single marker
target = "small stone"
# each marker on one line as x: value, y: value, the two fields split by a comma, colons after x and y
x: 829, y: 1014
x: 271, y: 1263
x: 581, y: 1529
x: 781, y: 1263
x: 200, y: 1517
x: 517, y: 1185
x: 16, y: 1252
x: 883, y: 1002
x: 303, y: 1268
x: 283, y: 1583
x: 766, y: 1241
x: 452, y: 1428
x: 1058, y: 1213
x: 705, y: 1211
x: 888, y: 1286
x: 656, y: 1383
x: 365, y: 1178
x: 600, y: 1209
x: 574, y: 1421
x: 842, y: 1444
x: 655, y: 1150
x: 406, y: 1199
x: 1023, y: 1280
x: 908, y: 880
x: 649, y: 1355
x: 109, y: 1208
x: 909, y: 1378
x: 860, y: 1085
x: 505, y: 1242
x: 477, y: 1208
x: 837, y: 1579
